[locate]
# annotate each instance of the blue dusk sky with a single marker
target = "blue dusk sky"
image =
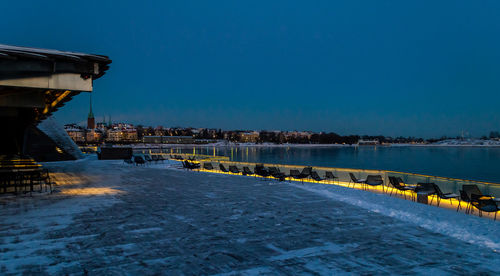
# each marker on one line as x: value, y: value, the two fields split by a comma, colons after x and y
x: 420, y: 68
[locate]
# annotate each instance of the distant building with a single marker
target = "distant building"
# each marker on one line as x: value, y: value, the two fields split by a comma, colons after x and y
x: 196, y: 130
x: 114, y: 135
x: 129, y: 135
x: 168, y: 139
x: 102, y: 125
x: 93, y: 135
x: 368, y: 142
x: 76, y: 133
x: 122, y: 135
x: 305, y: 134
x: 121, y: 125
x: 159, y: 131
x: 249, y: 137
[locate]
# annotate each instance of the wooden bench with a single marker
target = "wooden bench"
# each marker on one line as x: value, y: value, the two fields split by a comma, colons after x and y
x: 17, y: 174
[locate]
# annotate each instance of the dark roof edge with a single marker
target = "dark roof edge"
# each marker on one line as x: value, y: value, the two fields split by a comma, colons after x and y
x: 16, y: 54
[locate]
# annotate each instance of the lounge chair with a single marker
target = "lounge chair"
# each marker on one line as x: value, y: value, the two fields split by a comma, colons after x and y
x: 470, y: 190
x: 37, y: 177
x: 295, y: 174
x: 316, y: 177
x: 305, y: 173
x: 24, y: 178
x: 208, y: 166
x: 330, y: 176
x: 222, y: 168
x: 355, y: 180
x: 139, y: 160
x: 465, y: 198
x: 484, y: 204
x: 425, y: 189
x: 161, y: 158
x: 442, y: 195
x: 398, y: 184
x: 148, y: 158
x: 155, y: 158
x: 10, y: 179
x: 375, y: 180
x: 44, y: 176
x: 260, y: 170
x: 275, y: 172
x: 234, y: 169
x: 247, y: 171
x: 195, y: 165
x: 191, y: 165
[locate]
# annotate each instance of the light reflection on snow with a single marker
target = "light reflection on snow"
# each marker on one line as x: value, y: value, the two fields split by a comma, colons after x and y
x: 90, y: 191
x: 66, y: 178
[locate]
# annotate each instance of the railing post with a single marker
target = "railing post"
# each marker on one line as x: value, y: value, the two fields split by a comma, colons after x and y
x: 386, y: 178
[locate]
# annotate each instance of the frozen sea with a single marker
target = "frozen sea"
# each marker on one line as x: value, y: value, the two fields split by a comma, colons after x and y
x: 109, y: 218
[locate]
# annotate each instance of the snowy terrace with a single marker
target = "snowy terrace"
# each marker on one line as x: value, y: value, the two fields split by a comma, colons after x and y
x: 112, y: 218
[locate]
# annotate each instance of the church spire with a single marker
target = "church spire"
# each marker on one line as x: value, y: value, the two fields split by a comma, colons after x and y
x: 90, y: 118
x: 91, y: 114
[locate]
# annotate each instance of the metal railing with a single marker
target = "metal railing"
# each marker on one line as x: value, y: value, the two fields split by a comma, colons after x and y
x: 447, y: 185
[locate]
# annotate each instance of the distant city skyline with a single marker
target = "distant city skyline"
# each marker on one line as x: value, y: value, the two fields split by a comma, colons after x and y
x: 420, y: 68
x: 107, y: 118
x: 106, y: 121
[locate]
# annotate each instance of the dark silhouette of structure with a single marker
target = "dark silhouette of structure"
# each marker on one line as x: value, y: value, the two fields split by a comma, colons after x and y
x: 34, y: 83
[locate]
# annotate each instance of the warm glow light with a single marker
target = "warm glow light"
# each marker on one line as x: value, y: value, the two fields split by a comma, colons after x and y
x: 56, y: 101
x: 444, y: 203
x: 90, y: 191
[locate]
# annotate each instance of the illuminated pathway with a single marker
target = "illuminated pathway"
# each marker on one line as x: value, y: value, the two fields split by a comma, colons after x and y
x: 115, y: 218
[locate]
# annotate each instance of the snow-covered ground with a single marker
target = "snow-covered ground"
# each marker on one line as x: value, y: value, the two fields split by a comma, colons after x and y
x: 468, y: 142
x: 113, y: 218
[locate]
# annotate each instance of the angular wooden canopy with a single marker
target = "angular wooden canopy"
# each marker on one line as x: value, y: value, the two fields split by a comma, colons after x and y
x: 42, y: 80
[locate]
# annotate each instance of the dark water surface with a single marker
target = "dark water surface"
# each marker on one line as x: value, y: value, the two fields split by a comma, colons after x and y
x: 474, y: 163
